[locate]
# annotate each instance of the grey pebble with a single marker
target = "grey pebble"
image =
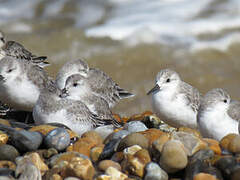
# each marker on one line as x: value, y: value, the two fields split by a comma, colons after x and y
x: 154, y: 172
x: 135, y: 126
x: 58, y: 138
x: 8, y: 152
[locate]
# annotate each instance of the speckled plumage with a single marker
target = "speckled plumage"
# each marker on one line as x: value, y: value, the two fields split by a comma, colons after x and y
x: 77, y: 88
x: 16, y: 50
x: 51, y: 108
x: 101, y: 84
x: 21, y: 83
x: 175, y: 101
x: 218, y: 115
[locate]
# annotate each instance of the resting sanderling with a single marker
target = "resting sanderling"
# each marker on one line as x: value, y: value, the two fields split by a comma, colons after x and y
x: 99, y: 82
x: 175, y: 101
x: 218, y: 115
x: 77, y: 88
x: 21, y: 83
x: 52, y: 108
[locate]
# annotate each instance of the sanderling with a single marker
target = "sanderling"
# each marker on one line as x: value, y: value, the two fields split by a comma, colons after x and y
x: 16, y: 50
x: 77, y: 88
x: 218, y: 115
x: 100, y: 83
x: 21, y: 83
x: 52, y: 108
x: 175, y: 101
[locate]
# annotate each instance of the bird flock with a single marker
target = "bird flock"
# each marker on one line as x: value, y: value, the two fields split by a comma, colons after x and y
x: 81, y: 97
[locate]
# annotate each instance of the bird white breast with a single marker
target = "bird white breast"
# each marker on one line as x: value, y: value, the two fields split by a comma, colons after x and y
x: 21, y: 95
x: 216, y: 124
x: 61, y: 116
x: 174, y: 112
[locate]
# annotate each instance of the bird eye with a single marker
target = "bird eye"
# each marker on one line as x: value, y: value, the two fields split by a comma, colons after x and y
x: 10, y: 70
x: 168, y: 80
x: 75, y: 85
x: 225, y: 101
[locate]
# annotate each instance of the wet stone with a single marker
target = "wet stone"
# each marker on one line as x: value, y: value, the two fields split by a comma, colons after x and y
x: 227, y: 165
x: 152, y: 121
x: 234, y: 145
x: 190, y: 142
x: 8, y: 152
x: 135, y: 126
x: 203, y: 176
x: 26, y: 141
x: 7, y: 164
x: 109, y: 149
x: 202, y: 155
x: 103, y: 165
x: 67, y: 156
x: 173, y: 157
x: 133, y: 139
x: 194, y: 168
x: 26, y: 170
x: 115, y: 174
x: 6, y: 172
x: 49, y: 153
x: 57, y: 138
x: 104, y: 131
x: 154, y: 172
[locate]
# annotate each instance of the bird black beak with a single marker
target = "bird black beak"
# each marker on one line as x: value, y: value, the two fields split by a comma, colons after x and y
x: 154, y: 89
x: 1, y: 78
x: 64, y: 93
x: 3, y: 40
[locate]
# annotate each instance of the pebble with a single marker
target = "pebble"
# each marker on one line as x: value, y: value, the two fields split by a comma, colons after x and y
x: 227, y: 165
x: 152, y: 134
x: 173, y: 157
x: 202, y: 155
x: 152, y: 121
x: 104, y: 131
x: 6, y: 172
x: 67, y: 156
x: 37, y: 161
x: 86, y: 143
x: 213, y: 145
x: 109, y: 149
x: 57, y: 138
x: 135, y: 126
x: 131, y: 150
x: 96, y: 152
x: 158, y: 144
x: 234, y: 145
x: 191, y: 142
x: 3, y: 138
x: 115, y: 174
x: 26, y: 141
x: 136, y: 163
x: 133, y: 139
x: 204, y: 176
x: 8, y: 152
x: 27, y: 170
x: 71, y: 178
x: 226, y: 140
x: 103, y: 165
x: 7, y: 164
x: 154, y: 172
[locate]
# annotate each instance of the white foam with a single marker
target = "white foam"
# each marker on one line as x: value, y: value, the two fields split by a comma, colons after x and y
x: 168, y: 21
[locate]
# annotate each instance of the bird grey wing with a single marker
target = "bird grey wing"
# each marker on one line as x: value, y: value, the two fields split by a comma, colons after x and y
x: 234, y: 110
x: 102, y: 109
x: 17, y: 50
x: 38, y: 76
x: 104, y: 86
x: 192, y: 95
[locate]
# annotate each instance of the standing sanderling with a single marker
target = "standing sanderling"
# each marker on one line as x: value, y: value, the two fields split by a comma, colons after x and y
x: 218, y: 115
x: 52, y: 108
x: 100, y: 83
x: 21, y: 83
x: 175, y: 101
x: 16, y: 50
x: 77, y: 88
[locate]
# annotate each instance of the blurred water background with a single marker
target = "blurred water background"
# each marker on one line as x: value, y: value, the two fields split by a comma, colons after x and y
x: 131, y: 40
